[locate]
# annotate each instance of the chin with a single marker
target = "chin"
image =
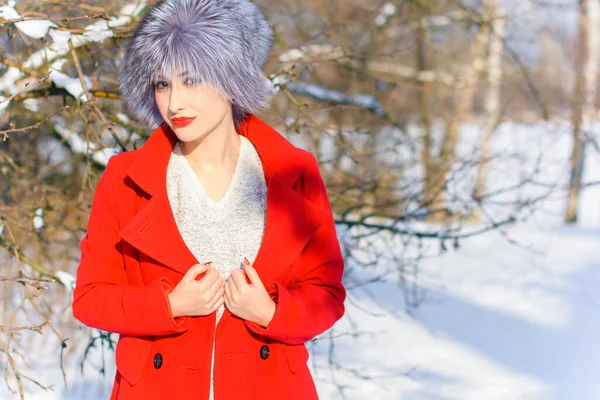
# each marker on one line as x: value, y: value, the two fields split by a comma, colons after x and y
x: 188, y: 135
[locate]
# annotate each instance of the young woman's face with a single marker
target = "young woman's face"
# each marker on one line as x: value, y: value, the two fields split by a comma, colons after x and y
x: 191, y: 108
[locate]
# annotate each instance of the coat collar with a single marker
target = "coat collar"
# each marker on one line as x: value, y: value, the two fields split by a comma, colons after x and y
x: 290, y: 222
x: 280, y: 157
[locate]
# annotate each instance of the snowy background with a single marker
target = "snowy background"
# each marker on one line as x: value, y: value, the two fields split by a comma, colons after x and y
x: 512, y: 314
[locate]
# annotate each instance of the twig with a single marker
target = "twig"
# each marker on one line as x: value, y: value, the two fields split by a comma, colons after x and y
x: 59, y: 91
x: 30, y: 127
x: 439, y: 234
x: 27, y: 87
x: 19, y: 66
x: 26, y: 280
x: 89, y: 97
x: 13, y: 365
x: 34, y: 265
x: 79, y: 70
x: 47, y: 18
x: 314, y: 123
x: 35, y: 328
x: 528, y: 80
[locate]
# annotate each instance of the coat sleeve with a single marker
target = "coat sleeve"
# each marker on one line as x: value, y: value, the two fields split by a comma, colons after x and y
x: 103, y: 298
x: 315, y: 301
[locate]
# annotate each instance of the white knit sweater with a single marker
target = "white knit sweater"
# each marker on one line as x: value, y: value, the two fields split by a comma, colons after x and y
x: 226, y: 231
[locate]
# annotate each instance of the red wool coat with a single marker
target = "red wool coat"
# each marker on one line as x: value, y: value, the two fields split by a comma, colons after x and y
x: 133, y: 256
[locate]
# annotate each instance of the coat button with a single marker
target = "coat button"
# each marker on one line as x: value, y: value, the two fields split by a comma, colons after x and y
x: 158, y: 360
x: 264, y: 352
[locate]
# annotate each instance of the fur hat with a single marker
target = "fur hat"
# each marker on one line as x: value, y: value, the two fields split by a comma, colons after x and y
x: 223, y: 42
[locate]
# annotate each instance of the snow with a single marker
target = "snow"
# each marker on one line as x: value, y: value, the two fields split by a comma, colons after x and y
x: 309, y: 51
x: 362, y: 100
x: 496, y: 323
x: 291, y: 55
x: 60, y: 43
x: 79, y: 145
x: 60, y: 39
x: 102, y: 156
x: 100, y: 31
x: 7, y: 81
x: 275, y: 81
x: 97, y: 33
x: 38, y: 220
x: 67, y: 279
x: 123, y: 117
x: 3, y: 102
x: 71, y: 85
x: 32, y: 104
x: 495, y: 320
x: 388, y: 10
x: 35, y: 29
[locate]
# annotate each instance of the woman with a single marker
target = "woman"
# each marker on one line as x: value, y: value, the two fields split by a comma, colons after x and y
x: 211, y: 250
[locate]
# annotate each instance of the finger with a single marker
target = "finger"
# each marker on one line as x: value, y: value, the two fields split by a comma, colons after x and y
x: 227, y: 294
x: 217, y: 297
x: 210, y: 277
x: 230, y: 285
x: 218, y: 304
x: 252, y: 275
x: 195, y: 270
x: 239, y: 279
x: 216, y: 282
x: 230, y: 288
x: 213, y: 289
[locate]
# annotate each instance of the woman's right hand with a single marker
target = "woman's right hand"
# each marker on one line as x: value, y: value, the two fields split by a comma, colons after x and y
x: 193, y: 297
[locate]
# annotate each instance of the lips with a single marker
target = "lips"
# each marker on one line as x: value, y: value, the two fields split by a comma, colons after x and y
x: 182, y: 121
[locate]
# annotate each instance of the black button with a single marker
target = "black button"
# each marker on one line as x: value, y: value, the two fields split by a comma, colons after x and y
x: 157, y: 360
x: 264, y: 352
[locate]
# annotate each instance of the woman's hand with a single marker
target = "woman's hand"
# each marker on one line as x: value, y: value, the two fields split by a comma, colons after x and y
x: 249, y: 301
x: 193, y: 297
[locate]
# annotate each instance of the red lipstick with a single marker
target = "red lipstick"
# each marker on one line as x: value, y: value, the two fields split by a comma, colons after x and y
x: 182, y: 121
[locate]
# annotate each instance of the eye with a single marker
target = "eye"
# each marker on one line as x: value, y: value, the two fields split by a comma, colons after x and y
x: 191, y: 81
x: 159, y: 85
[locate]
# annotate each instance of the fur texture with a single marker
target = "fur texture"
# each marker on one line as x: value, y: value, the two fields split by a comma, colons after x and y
x: 223, y: 42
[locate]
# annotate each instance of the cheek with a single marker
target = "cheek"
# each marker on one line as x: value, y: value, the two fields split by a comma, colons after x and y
x: 214, y: 97
x: 161, y: 102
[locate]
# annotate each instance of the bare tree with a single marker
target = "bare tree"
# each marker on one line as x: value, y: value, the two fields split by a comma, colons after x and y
x: 491, y: 10
x: 462, y: 101
x: 584, y: 99
x: 378, y: 90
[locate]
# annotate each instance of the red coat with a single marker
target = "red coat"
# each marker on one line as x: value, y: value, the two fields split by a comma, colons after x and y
x: 133, y: 256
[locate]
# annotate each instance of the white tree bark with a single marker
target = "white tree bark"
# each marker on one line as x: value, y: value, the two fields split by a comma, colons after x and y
x: 585, y: 96
x: 466, y: 81
x: 492, y: 96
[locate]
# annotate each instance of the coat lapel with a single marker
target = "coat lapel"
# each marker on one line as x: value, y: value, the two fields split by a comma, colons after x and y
x: 290, y: 222
x: 153, y: 231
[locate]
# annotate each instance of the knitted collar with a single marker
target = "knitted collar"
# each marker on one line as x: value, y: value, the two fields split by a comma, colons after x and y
x: 277, y: 154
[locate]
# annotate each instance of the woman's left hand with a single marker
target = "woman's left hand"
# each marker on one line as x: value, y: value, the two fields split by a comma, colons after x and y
x: 249, y: 301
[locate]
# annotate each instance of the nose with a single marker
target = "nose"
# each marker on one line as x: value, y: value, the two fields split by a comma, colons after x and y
x: 175, y: 99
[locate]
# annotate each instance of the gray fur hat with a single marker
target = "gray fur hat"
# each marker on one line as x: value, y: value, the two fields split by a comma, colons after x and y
x: 222, y: 42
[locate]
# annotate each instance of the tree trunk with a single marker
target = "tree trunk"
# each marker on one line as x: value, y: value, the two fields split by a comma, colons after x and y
x: 585, y: 95
x: 462, y: 105
x: 430, y: 186
x: 492, y: 97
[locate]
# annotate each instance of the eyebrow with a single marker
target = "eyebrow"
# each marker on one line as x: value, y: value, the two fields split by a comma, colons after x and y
x: 160, y: 76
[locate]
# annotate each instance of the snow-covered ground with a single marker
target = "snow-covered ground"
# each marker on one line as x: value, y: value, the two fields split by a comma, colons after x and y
x: 497, y: 320
x: 511, y: 315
